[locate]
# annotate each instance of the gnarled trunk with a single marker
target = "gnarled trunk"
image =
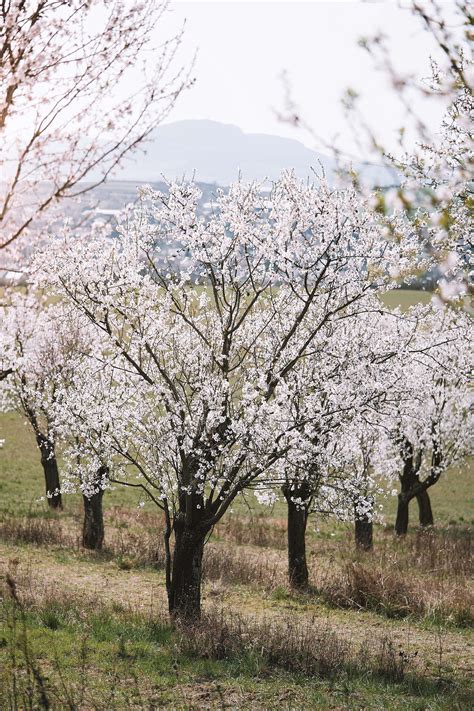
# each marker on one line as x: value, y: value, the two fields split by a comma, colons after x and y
x: 409, y: 480
x: 297, y: 520
x: 184, y: 593
x: 424, y: 509
x: 51, y: 472
x: 93, y: 526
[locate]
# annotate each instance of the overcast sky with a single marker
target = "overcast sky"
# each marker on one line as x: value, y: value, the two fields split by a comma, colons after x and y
x: 243, y: 47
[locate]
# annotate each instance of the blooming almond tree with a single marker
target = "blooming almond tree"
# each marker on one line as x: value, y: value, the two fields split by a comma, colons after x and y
x: 438, y: 171
x: 433, y: 427
x: 48, y: 344
x: 364, y: 466
x: 82, y: 83
x: 436, y: 187
x: 206, y: 318
x: 422, y: 425
x: 36, y: 337
x: 339, y: 397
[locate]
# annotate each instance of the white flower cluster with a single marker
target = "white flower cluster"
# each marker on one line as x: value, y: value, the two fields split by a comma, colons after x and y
x: 268, y: 360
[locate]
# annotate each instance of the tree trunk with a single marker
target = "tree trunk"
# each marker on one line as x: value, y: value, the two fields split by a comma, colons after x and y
x: 184, y: 594
x: 364, y: 533
x: 409, y: 479
x: 424, y: 509
x: 401, y: 522
x: 51, y: 472
x: 297, y: 520
x: 93, y: 527
x: 363, y: 528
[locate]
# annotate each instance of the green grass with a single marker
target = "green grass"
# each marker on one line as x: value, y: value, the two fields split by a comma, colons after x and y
x: 118, y: 658
x: 21, y: 476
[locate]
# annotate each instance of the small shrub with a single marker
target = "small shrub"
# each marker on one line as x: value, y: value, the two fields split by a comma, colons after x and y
x: 50, y: 619
x: 280, y: 593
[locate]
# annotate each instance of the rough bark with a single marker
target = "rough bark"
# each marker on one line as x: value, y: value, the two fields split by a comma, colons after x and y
x: 93, y: 526
x: 184, y: 594
x: 51, y: 472
x: 424, y: 509
x: 401, y: 522
x: 297, y: 520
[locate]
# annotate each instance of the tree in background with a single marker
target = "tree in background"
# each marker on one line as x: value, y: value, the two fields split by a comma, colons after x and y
x: 339, y: 396
x: 82, y: 84
x: 90, y: 414
x: 433, y: 427
x: 49, y: 345
x: 42, y: 340
x: 93, y: 485
x: 362, y: 470
x: 345, y: 458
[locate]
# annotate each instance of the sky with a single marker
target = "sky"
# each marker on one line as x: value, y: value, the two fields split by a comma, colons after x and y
x: 243, y: 48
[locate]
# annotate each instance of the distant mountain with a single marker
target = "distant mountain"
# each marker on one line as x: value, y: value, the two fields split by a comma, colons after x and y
x: 214, y: 152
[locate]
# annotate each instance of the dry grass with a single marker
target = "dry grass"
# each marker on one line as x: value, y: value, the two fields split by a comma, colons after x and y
x: 243, y: 566
x: 36, y: 531
x: 136, y: 549
x: 392, y: 593
x: 258, y: 530
x: 426, y: 575
x: 441, y: 550
x: 308, y: 648
x: 75, y: 598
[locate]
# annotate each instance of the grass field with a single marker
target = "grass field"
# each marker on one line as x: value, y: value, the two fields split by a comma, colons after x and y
x: 79, y: 630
